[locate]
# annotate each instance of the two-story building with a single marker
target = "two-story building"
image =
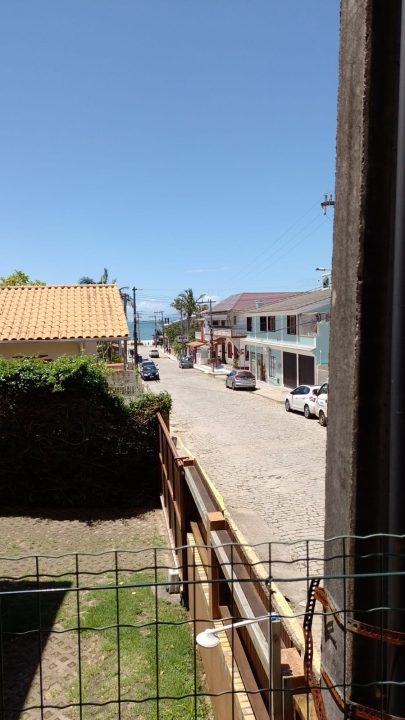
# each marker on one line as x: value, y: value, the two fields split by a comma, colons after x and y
x: 287, y: 342
x: 225, y: 326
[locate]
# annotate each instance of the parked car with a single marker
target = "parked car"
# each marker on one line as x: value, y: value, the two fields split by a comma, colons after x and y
x: 186, y: 361
x: 149, y: 371
x: 240, y: 379
x: 154, y: 353
x: 321, y: 406
x: 303, y: 399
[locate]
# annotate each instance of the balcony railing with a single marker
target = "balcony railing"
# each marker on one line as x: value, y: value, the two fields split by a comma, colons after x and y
x: 282, y: 338
x: 231, y: 331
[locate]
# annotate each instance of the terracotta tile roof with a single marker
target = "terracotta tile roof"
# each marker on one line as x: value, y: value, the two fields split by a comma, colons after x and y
x: 61, y: 312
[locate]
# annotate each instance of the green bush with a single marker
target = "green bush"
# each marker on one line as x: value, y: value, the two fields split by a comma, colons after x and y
x: 65, y: 440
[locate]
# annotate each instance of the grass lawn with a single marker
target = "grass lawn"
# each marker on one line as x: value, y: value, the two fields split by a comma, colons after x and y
x: 153, y: 660
x: 142, y: 661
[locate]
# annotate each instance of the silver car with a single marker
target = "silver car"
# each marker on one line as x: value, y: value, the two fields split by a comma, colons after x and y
x: 186, y: 362
x: 240, y: 379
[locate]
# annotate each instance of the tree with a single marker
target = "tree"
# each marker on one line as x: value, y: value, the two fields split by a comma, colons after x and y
x: 104, y: 280
x: 19, y: 277
x: 188, y: 304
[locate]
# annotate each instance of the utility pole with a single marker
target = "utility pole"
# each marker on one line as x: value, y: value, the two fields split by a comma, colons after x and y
x: 125, y: 297
x: 134, y: 289
x: 211, y: 337
x: 155, y: 329
x: 181, y: 321
x: 163, y: 330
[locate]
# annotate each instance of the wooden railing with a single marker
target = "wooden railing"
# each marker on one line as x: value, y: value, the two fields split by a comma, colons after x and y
x: 222, y: 578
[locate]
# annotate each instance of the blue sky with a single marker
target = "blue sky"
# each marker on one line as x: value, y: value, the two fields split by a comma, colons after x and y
x: 179, y: 143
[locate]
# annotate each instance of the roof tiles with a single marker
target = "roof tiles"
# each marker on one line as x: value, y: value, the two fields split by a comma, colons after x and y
x: 61, y: 312
x: 246, y: 300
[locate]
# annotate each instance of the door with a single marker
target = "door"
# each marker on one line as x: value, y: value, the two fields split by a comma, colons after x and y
x: 289, y: 369
x: 306, y: 369
x: 299, y: 397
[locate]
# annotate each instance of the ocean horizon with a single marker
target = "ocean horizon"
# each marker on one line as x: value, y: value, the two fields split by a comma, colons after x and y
x: 146, y: 329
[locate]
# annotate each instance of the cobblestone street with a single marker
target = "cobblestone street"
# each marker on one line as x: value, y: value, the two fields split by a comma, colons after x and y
x: 267, y: 464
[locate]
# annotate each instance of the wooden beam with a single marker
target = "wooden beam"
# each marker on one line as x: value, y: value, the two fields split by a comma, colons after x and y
x: 251, y: 687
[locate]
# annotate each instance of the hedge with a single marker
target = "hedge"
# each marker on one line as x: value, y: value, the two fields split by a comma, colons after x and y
x: 66, y: 441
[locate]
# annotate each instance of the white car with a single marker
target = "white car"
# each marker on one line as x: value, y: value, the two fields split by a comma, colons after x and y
x: 321, y: 405
x: 303, y: 399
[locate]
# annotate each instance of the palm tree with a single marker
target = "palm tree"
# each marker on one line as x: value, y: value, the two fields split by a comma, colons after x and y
x: 104, y: 280
x: 188, y: 304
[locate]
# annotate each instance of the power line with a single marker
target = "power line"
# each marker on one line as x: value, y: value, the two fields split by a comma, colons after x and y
x: 280, y: 237
x: 300, y: 241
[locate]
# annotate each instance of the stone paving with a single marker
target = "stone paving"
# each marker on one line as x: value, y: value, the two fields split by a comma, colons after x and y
x: 268, y: 465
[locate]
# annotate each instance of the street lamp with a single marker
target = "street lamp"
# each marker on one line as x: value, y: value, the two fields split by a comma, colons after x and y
x: 209, y: 638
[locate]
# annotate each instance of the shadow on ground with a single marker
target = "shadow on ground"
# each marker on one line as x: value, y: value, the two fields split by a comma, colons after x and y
x: 85, y: 515
x: 28, y: 611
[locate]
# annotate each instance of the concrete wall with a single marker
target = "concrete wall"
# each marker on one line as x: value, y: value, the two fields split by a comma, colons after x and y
x: 49, y: 349
x: 359, y: 380
x: 322, y: 343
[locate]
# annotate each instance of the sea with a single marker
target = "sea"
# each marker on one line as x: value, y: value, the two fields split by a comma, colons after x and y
x: 146, y: 328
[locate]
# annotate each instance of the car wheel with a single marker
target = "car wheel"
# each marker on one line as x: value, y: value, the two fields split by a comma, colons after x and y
x: 233, y: 386
x: 322, y: 419
x: 307, y: 412
x: 287, y: 406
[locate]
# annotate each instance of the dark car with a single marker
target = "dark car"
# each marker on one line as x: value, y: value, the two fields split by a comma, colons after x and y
x: 186, y: 361
x: 149, y: 371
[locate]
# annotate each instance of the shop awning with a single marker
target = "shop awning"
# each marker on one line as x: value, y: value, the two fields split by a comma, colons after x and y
x: 195, y: 344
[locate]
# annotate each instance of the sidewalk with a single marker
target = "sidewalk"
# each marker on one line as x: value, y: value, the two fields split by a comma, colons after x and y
x: 276, y: 393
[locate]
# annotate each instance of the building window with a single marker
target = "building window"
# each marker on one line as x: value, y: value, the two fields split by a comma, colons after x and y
x: 246, y: 354
x: 272, y: 366
x: 263, y: 323
x: 271, y: 323
x: 291, y: 324
x: 215, y: 323
x: 223, y: 323
x: 234, y: 319
x: 249, y: 324
x: 229, y: 350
